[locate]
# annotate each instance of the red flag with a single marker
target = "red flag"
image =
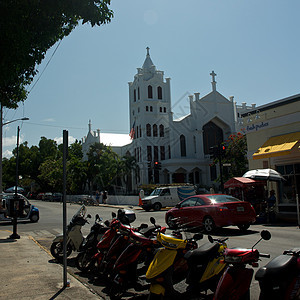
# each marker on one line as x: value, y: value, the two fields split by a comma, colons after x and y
x: 132, y: 131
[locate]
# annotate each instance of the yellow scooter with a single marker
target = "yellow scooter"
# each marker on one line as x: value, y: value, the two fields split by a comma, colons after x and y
x: 169, y: 265
x: 180, y: 259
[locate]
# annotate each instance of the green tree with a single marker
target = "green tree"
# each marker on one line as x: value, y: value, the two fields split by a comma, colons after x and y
x: 29, y: 29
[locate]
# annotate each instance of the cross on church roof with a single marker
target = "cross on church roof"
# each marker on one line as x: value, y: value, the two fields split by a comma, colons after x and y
x: 213, y: 74
x: 148, y: 50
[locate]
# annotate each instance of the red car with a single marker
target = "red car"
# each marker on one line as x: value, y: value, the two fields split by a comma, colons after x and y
x: 211, y: 211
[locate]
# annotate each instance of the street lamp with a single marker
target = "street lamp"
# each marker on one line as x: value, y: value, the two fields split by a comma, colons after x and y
x: 1, y: 131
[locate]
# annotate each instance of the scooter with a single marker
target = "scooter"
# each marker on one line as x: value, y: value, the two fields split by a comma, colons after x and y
x: 280, y: 278
x: 88, y: 248
x: 169, y: 266
x: 235, y: 281
x: 134, y: 260
x: 205, y: 266
x: 74, y: 235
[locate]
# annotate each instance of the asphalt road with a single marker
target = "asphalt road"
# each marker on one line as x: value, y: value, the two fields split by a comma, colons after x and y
x: 284, y: 236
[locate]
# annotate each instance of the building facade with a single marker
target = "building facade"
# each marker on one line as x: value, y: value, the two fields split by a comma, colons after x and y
x: 273, y: 135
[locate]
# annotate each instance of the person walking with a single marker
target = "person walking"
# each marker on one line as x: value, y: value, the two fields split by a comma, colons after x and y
x: 104, y: 197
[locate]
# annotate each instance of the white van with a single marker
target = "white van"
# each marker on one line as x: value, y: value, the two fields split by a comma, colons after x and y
x: 167, y: 196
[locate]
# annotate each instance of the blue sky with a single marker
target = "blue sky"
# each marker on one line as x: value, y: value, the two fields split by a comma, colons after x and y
x: 253, y: 47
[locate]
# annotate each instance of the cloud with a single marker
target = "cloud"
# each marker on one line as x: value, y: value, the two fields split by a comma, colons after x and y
x: 114, y: 139
x: 7, y: 153
x: 59, y: 140
x: 9, y: 141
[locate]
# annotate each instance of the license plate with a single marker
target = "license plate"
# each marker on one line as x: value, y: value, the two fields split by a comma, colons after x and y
x: 240, y: 208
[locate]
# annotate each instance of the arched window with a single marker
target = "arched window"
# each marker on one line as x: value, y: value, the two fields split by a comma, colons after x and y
x: 147, y: 108
x: 134, y: 95
x: 195, y: 146
x: 148, y: 129
x: 212, y: 136
x: 150, y: 94
x: 154, y: 130
x: 138, y: 93
x: 140, y: 131
x: 161, y: 130
x: 151, y: 108
x: 137, y: 132
x: 159, y: 92
x: 182, y: 145
x: 160, y: 109
x: 165, y: 110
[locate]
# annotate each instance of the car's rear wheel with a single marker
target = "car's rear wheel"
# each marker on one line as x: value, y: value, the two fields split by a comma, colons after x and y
x: 243, y: 227
x: 157, y: 206
x: 171, y: 223
x: 209, y: 224
x: 34, y: 218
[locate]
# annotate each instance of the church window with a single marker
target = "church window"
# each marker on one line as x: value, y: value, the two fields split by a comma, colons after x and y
x: 138, y: 93
x: 134, y: 95
x: 133, y: 112
x: 154, y: 130
x: 151, y: 108
x: 148, y: 129
x: 149, y: 153
x: 161, y: 130
x: 165, y: 110
x: 194, y: 140
x: 140, y: 131
x: 155, y: 153
x: 138, y: 109
x: 147, y: 108
x: 160, y: 109
x: 159, y: 92
x: 137, y: 132
x: 182, y: 145
x: 150, y: 94
x: 162, y: 153
x: 212, y: 136
x: 169, y: 150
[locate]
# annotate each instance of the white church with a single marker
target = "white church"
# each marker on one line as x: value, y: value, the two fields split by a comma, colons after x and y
x: 180, y: 146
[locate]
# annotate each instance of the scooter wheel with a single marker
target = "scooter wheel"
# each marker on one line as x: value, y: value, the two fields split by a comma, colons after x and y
x: 57, y: 250
x: 153, y: 296
x: 84, y: 261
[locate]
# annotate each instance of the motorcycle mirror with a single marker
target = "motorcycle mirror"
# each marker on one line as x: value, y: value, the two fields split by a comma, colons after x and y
x: 152, y: 220
x: 97, y: 217
x: 198, y: 236
x: 113, y: 214
x: 210, y: 238
x: 89, y: 216
x: 266, y: 235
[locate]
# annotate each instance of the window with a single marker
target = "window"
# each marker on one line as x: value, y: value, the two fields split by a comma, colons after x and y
x: 140, y: 131
x: 147, y: 108
x: 148, y: 129
x: 182, y: 145
x: 189, y: 202
x: 194, y: 140
x: 149, y: 153
x: 212, y: 136
x: 154, y: 130
x: 165, y: 110
x: 165, y: 192
x: 151, y: 108
x: 150, y: 94
x: 137, y: 132
x: 162, y: 153
x: 156, y: 153
x: 138, y: 93
x: 160, y: 109
x: 134, y: 95
x: 159, y: 92
x: 161, y: 130
x: 169, y: 151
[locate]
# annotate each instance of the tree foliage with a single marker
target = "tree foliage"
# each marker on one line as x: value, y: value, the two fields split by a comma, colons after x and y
x: 29, y: 29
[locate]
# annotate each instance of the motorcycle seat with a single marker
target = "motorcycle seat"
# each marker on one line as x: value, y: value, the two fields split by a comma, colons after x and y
x: 147, y: 232
x: 203, y: 252
x: 281, y: 267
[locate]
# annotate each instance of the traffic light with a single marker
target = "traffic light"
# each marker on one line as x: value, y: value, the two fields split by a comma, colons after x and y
x: 157, y: 165
x: 222, y: 150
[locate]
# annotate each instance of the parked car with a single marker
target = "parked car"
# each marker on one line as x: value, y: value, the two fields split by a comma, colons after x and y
x: 30, y: 211
x: 47, y: 197
x: 40, y: 196
x: 57, y: 197
x: 211, y: 211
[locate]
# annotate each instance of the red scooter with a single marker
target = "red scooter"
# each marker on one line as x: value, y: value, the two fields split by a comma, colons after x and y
x: 134, y: 260
x: 235, y: 281
x: 280, y: 278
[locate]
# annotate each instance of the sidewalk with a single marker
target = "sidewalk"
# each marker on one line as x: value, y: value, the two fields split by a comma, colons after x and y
x: 28, y: 272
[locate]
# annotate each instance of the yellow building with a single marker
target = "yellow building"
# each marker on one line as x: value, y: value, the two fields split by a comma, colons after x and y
x: 273, y: 135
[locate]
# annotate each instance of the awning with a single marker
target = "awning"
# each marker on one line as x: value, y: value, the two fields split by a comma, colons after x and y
x: 241, y: 182
x: 277, y: 146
